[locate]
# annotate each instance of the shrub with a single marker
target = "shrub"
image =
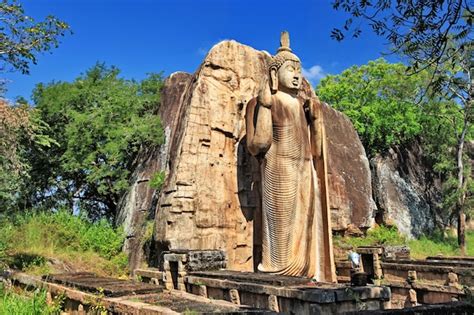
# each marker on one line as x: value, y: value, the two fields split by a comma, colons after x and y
x: 29, y: 238
x: 379, y: 235
x: 28, y: 303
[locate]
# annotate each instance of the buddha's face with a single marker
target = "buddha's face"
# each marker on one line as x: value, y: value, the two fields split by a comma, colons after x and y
x: 289, y: 76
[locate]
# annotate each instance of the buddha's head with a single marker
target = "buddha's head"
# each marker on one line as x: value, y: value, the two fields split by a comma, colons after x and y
x: 285, y: 69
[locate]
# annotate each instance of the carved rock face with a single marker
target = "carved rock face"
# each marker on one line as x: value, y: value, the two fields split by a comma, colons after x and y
x: 289, y: 76
x: 210, y: 198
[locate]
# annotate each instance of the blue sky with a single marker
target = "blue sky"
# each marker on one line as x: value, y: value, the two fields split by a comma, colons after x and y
x: 145, y: 36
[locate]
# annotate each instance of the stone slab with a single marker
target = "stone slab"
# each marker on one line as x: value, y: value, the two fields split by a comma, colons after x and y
x: 454, y: 308
x: 437, y: 262
x: 362, y: 293
x: 370, y: 250
x: 102, y: 285
x: 312, y: 295
x: 281, y: 286
x: 205, y: 260
x: 261, y: 278
x: 120, y: 305
x: 452, y: 258
x: 426, y: 268
x: 427, y: 287
x: 149, y: 273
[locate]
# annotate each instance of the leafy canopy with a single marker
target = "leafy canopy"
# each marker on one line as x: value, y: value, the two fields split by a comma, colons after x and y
x: 21, y: 38
x: 417, y: 29
x: 379, y: 98
x: 20, y: 127
x: 100, y: 122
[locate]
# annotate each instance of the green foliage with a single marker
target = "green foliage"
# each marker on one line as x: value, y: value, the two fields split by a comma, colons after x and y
x: 157, y: 180
x: 379, y: 235
x: 21, y: 38
x: 27, y: 303
x: 379, y: 98
x: 434, y: 35
x: 100, y: 122
x: 388, y: 107
x: 427, y: 245
x: 417, y: 29
x: 30, y: 238
x: 442, y: 126
x: 439, y: 244
x: 20, y: 126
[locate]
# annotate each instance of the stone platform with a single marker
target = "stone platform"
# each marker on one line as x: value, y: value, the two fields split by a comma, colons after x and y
x: 109, y: 287
x: 292, y: 295
x: 437, y: 279
x: 155, y: 302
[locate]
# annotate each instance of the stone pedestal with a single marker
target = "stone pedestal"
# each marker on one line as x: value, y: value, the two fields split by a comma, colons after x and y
x: 287, y: 294
x: 176, y: 264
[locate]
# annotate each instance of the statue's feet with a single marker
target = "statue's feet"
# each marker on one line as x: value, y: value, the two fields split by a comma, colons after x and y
x: 260, y: 268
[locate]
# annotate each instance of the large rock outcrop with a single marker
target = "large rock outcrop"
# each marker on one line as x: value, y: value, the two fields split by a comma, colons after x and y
x: 138, y: 205
x: 407, y: 192
x: 210, y: 199
x: 350, y: 188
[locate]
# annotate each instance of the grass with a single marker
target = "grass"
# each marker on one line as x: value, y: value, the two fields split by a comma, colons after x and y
x: 438, y: 244
x: 380, y: 235
x: 27, y: 303
x: 43, y: 242
x: 431, y: 245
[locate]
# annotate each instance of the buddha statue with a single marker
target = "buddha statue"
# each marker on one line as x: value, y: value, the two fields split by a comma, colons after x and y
x: 286, y: 134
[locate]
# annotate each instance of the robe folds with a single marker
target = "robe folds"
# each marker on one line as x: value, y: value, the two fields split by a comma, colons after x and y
x: 296, y: 234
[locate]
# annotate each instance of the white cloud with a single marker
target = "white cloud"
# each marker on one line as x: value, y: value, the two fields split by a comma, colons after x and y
x: 202, y: 51
x: 314, y: 74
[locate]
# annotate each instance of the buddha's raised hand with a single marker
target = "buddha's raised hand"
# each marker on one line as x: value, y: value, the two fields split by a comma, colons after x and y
x: 264, y: 97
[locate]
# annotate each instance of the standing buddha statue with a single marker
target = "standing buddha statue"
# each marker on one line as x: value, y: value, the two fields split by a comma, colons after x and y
x: 286, y: 134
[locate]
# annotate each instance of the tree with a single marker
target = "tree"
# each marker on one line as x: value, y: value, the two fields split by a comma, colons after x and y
x: 417, y: 29
x: 19, y: 128
x: 433, y: 35
x: 457, y: 82
x: 380, y: 101
x: 389, y: 108
x: 21, y: 38
x: 100, y: 122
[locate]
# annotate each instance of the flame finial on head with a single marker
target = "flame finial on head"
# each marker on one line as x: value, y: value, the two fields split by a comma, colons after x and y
x: 284, y: 42
x: 284, y: 52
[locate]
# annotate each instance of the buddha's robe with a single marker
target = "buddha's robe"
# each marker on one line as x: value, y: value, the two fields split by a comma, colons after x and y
x: 293, y: 235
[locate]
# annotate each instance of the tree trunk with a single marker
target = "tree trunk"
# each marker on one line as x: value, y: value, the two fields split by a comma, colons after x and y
x: 459, y: 155
x: 461, y: 189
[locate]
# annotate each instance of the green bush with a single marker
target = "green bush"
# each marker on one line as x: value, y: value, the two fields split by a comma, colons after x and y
x: 103, y: 239
x: 379, y: 99
x: 28, y: 238
x: 379, y: 235
x: 157, y: 180
x: 28, y: 303
x: 427, y: 245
